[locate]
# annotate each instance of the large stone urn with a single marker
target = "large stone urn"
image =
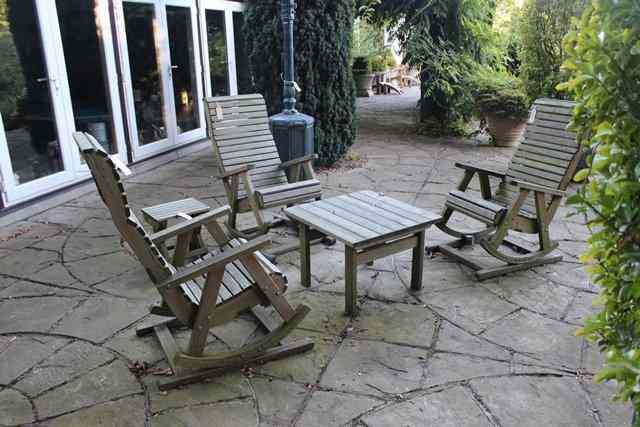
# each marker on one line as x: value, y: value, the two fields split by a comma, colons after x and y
x: 505, y: 131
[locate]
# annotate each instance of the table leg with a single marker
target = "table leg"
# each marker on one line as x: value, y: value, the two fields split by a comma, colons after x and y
x: 418, y: 262
x: 351, y: 281
x: 305, y: 256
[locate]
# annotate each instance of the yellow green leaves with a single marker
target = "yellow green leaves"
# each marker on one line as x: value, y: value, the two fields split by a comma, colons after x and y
x: 605, y: 81
x: 582, y: 175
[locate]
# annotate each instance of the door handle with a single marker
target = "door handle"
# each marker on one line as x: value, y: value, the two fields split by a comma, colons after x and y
x: 48, y: 80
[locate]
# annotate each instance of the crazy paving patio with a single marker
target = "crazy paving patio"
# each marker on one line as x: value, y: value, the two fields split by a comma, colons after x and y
x: 457, y: 353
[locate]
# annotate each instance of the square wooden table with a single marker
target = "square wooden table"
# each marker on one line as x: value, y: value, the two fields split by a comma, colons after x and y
x: 371, y: 226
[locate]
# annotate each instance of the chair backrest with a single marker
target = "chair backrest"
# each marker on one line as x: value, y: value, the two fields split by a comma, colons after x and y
x: 549, y: 154
x: 239, y: 130
x: 113, y: 195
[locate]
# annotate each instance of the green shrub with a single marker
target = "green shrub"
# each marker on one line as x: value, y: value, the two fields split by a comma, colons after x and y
x: 11, y: 77
x: 378, y: 63
x: 604, y: 65
x: 323, y: 31
x: 542, y: 26
x: 389, y: 58
x: 500, y: 93
x: 362, y: 65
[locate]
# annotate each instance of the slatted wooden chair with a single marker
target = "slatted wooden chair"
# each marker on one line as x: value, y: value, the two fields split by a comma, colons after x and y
x: 246, y: 154
x: 527, y: 198
x: 207, y: 292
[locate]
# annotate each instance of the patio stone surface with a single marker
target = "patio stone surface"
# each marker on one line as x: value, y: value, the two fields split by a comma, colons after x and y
x: 455, y: 353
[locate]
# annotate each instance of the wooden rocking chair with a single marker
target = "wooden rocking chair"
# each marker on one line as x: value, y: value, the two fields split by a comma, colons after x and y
x: 210, y: 291
x: 246, y: 153
x: 525, y: 201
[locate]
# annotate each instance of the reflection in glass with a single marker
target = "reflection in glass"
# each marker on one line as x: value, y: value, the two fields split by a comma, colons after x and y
x: 25, y: 94
x: 145, y: 76
x: 84, y: 58
x: 245, y: 84
x: 183, y: 68
x: 217, y: 39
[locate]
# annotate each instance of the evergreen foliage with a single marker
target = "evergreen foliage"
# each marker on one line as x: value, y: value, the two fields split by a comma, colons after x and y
x: 444, y: 39
x: 323, y: 37
x: 541, y: 27
x: 604, y: 64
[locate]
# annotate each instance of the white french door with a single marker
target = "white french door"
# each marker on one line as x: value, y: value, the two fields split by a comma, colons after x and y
x: 61, y: 79
x: 160, y: 57
x: 225, y: 62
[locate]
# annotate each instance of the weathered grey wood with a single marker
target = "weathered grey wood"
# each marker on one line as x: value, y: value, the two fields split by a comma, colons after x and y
x: 241, y: 136
x: 371, y: 226
x: 529, y: 195
x: 236, y: 277
x: 305, y: 255
x: 274, y: 353
x: 351, y: 281
x: 417, y: 263
x: 386, y: 249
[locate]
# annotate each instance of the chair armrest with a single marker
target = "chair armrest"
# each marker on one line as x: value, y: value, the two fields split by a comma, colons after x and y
x: 221, y: 259
x: 236, y: 171
x: 190, y: 225
x: 481, y: 169
x: 309, y: 158
x: 539, y: 188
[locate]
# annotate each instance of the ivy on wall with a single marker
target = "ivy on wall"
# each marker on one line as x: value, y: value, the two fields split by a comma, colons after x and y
x: 323, y: 39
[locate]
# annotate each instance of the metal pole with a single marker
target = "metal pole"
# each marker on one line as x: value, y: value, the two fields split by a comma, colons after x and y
x: 288, y: 15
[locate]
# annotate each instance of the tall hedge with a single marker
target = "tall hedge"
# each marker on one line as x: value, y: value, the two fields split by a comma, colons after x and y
x: 604, y: 62
x: 323, y: 32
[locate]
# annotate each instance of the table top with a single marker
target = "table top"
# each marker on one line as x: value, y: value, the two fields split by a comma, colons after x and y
x: 362, y: 219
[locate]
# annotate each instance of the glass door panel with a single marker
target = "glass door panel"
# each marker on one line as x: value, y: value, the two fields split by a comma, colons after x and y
x: 244, y: 81
x: 86, y: 70
x: 26, y: 98
x: 146, y: 79
x: 217, y: 49
x: 183, y: 68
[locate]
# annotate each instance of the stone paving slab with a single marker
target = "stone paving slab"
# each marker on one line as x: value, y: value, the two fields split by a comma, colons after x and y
x: 456, y: 353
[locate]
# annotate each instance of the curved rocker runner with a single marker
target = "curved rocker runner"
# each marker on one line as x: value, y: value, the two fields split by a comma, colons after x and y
x: 207, y: 291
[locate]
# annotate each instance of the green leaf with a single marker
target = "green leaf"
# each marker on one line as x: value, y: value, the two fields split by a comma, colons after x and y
x: 582, y: 175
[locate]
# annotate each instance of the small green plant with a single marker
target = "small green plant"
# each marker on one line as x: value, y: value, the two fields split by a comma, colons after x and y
x: 604, y: 64
x: 362, y: 65
x: 500, y: 93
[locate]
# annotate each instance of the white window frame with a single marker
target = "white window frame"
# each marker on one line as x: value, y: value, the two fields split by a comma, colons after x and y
x: 173, y: 140
x: 228, y: 7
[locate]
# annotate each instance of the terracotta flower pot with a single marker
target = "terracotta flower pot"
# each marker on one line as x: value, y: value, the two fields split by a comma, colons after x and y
x: 506, y: 132
x: 363, y: 84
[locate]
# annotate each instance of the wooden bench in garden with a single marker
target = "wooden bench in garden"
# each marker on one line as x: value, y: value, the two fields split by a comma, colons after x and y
x: 527, y: 198
x: 199, y: 293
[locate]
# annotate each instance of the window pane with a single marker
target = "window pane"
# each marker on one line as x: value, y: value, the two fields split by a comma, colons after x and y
x: 84, y: 58
x: 217, y: 39
x: 25, y: 96
x: 245, y: 84
x: 183, y: 68
x: 145, y: 74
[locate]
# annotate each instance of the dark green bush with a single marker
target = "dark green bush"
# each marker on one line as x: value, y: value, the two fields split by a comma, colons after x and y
x: 323, y: 31
x: 604, y: 64
x: 362, y: 65
x: 500, y: 93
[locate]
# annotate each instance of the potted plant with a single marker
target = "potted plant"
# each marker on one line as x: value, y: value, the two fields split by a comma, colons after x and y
x: 363, y: 75
x: 502, y: 101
